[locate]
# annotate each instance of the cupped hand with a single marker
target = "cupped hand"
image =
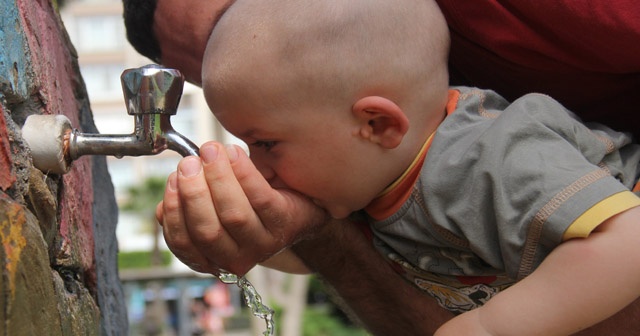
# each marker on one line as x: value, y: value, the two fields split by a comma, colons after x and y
x: 220, y: 214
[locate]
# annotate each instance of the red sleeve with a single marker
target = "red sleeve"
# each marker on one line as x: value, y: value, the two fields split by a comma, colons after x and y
x: 586, y: 54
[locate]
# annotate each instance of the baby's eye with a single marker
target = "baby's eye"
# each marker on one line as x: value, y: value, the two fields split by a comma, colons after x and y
x: 266, y: 145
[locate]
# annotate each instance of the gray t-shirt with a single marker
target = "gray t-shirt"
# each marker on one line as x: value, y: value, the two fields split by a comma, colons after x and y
x: 499, y: 186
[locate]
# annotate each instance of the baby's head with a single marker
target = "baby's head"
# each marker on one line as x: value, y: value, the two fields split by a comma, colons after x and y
x: 335, y: 97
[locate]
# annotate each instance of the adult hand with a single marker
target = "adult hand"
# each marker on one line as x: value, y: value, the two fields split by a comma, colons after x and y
x: 219, y: 213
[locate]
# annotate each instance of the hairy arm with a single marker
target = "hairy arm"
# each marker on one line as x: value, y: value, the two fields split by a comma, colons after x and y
x: 582, y: 282
x: 286, y: 261
x: 372, y: 291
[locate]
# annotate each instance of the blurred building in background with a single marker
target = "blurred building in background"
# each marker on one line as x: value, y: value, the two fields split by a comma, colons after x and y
x: 171, y: 299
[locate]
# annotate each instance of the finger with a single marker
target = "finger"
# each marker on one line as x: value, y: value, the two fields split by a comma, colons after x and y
x: 159, y: 212
x: 232, y: 205
x: 200, y: 213
x: 170, y: 214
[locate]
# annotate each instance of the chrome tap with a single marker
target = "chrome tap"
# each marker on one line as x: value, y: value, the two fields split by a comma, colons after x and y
x: 152, y: 95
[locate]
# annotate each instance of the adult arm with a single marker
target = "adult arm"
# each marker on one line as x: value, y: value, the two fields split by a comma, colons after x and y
x: 371, y: 290
x: 582, y: 282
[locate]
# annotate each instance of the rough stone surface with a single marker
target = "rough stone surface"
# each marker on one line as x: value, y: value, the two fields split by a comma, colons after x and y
x: 56, y: 278
x: 7, y: 176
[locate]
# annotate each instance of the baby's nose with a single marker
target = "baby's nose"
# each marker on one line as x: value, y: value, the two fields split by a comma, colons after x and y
x: 271, y: 176
x: 267, y: 172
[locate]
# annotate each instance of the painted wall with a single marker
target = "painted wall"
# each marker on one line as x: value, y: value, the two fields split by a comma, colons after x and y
x: 57, y: 233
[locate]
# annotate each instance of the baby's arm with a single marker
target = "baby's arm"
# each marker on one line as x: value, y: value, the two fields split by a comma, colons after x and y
x: 582, y: 282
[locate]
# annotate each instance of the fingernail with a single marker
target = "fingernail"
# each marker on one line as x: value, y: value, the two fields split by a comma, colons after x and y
x: 232, y: 152
x: 172, y: 182
x: 209, y: 153
x: 190, y: 166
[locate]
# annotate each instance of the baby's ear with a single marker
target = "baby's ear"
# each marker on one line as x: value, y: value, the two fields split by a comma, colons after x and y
x: 381, y: 121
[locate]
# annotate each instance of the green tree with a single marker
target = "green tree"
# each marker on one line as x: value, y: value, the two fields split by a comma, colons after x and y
x: 142, y: 199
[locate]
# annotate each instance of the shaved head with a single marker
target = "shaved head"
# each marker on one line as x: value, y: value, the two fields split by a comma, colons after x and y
x: 343, y: 48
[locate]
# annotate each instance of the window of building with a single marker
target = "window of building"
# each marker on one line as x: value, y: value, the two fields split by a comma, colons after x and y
x: 122, y: 174
x: 99, y: 33
x: 184, y: 121
x: 102, y: 80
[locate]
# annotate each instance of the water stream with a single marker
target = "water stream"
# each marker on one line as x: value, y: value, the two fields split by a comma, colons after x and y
x: 252, y: 299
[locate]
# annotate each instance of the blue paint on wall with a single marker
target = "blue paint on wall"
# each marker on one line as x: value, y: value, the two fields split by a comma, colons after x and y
x: 14, y: 59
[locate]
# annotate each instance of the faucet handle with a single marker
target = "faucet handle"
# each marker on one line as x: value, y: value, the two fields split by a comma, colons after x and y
x: 152, y: 89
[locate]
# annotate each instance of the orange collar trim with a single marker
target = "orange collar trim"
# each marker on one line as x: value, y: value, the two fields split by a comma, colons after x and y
x: 392, y: 198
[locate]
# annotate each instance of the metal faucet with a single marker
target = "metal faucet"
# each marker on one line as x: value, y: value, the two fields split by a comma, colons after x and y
x: 152, y: 94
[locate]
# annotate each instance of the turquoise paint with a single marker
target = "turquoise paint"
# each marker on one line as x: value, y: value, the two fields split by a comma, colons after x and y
x: 14, y: 60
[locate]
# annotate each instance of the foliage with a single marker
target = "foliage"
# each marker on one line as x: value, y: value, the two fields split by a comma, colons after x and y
x: 59, y: 4
x: 142, y: 199
x: 140, y: 259
x: 318, y: 321
x: 321, y: 320
x: 145, y: 196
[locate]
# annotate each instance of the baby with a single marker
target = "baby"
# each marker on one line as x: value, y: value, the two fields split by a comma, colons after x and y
x: 509, y: 213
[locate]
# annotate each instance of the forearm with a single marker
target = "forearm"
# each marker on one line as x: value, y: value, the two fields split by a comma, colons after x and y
x: 384, y: 302
x: 286, y: 261
x: 582, y: 282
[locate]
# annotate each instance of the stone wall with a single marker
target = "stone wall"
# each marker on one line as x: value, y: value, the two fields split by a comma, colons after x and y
x: 57, y: 233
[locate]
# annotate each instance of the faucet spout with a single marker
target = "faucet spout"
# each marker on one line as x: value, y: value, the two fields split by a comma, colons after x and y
x: 180, y: 144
